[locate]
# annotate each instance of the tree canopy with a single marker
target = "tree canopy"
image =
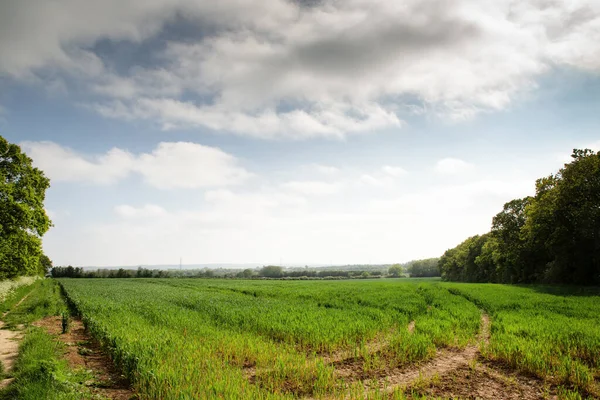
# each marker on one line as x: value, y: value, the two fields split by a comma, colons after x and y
x: 552, y: 237
x: 424, y: 268
x: 23, y: 219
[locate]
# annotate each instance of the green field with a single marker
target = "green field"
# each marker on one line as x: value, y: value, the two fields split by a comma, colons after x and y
x: 192, y: 338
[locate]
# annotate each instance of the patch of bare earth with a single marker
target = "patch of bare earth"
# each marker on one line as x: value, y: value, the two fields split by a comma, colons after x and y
x: 9, y: 347
x: 452, y: 373
x: 480, y: 382
x: 82, y: 351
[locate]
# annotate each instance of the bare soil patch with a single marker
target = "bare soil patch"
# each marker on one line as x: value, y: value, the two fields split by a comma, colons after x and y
x: 9, y: 349
x: 82, y: 351
x: 481, y: 382
x: 9, y: 346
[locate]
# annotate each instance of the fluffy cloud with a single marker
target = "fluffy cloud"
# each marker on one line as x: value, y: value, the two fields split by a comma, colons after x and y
x: 63, y: 164
x: 452, y: 166
x: 312, y: 188
x: 169, y: 165
x: 149, y: 210
x: 394, y: 171
x: 287, y: 69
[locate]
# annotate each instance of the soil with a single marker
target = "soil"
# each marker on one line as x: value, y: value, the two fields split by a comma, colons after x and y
x: 9, y: 347
x: 481, y: 382
x: 84, y: 352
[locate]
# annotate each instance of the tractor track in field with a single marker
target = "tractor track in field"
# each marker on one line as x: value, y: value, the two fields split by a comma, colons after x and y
x: 9, y: 345
x: 452, y: 373
x: 82, y: 351
x: 445, y: 361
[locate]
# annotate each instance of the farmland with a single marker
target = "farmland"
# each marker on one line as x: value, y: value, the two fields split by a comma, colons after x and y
x: 192, y: 338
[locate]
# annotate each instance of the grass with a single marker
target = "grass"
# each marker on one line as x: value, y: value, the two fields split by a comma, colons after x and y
x: 192, y: 338
x: 550, y: 332
x: 44, y: 299
x: 11, y: 291
x: 40, y: 371
x: 185, y: 338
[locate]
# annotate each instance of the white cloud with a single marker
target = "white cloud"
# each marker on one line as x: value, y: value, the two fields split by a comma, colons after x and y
x: 312, y: 188
x: 149, y: 210
x: 378, y: 181
x: 330, y: 120
x: 189, y: 165
x: 279, y: 68
x: 452, y: 166
x: 266, y: 224
x: 394, y: 171
x: 169, y: 165
x: 63, y: 164
x: 327, y: 170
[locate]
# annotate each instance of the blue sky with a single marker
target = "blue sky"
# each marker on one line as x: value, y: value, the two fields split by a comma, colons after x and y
x: 334, y: 132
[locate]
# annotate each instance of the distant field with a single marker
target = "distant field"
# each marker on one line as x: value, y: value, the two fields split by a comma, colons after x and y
x: 192, y: 338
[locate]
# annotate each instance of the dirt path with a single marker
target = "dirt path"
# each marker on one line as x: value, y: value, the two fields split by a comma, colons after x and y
x: 445, y: 361
x: 452, y: 373
x: 9, y: 346
x: 84, y: 352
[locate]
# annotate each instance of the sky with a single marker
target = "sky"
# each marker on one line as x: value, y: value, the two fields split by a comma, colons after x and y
x: 292, y: 132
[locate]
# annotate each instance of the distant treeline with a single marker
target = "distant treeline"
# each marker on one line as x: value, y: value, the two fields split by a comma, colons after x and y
x: 423, y: 268
x: 552, y: 237
x: 418, y: 268
x: 78, y: 272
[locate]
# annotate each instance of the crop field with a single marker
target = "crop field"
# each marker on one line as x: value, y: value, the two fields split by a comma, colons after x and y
x: 194, y: 338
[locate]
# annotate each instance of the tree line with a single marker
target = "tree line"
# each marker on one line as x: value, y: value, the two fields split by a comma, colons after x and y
x: 417, y: 268
x: 552, y: 237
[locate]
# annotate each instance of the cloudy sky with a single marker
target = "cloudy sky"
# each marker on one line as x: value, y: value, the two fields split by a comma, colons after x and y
x: 238, y: 131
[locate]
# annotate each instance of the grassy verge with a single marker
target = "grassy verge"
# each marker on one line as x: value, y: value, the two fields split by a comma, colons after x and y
x: 41, y: 371
x: 44, y: 299
x: 15, y: 296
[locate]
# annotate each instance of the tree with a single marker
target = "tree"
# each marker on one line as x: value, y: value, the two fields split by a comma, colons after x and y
x: 45, y: 263
x: 23, y: 219
x: 424, y: 268
x: 551, y: 237
x: 395, y: 270
x: 247, y: 273
x: 271, y: 271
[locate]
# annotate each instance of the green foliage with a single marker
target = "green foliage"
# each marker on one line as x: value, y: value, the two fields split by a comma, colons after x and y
x: 396, y: 270
x: 271, y: 271
x: 424, y: 268
x: 553, y: 237
x: 23, y: 219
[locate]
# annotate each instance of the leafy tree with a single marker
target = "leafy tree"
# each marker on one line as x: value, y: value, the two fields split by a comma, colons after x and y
x: 271, y: 271
x: 424, y: 268
x: 23, y: 219
x: 460, y: 263
x: 45, y: 263
x: 564, y: 220
x: 395, y: 270
x: 247, y: 273
x: 551, y: 237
